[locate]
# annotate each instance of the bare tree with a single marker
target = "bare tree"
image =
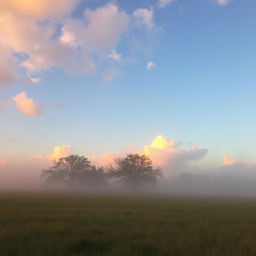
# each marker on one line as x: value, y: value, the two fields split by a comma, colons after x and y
x: 135, y: 170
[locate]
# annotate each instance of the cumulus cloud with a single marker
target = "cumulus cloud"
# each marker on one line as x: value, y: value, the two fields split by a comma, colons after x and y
x: 150, y: 65
x: 43, y: 35
x: 164, y: 153
x: 227, y: 160
x: 60, y: 151
x: 26, y: 105
x: 145, y: 17
x: 164, y: 3
x: 100, y: 30
x: 168, y: 154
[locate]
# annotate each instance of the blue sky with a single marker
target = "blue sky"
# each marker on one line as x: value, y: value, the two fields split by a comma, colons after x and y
x: 200, y: 91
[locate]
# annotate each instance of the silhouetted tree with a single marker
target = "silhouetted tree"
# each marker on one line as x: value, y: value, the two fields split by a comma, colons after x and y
x: 135, y: 170
x: 74, y: 170
x: 94, y: 177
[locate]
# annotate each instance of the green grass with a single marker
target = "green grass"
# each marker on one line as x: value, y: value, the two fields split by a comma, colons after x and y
x: 126, y: 226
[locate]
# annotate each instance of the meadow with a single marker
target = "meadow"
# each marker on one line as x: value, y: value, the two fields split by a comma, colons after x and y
x: 55, y: 224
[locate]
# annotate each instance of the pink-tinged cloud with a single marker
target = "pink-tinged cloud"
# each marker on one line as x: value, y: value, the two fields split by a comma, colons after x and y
x: 26, y: 105
x: 164, y: 153
x: 31, y: 41
x: 39, y: 9
x: 104, y: 160
x: 223, y: 2
x: 228, y: 161
x: 60, y: 151
x: 3, y: 161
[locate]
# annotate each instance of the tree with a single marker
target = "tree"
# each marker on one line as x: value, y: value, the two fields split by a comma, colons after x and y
x: 73, y: 170
x: 135, y: 170
x: 94, y: 177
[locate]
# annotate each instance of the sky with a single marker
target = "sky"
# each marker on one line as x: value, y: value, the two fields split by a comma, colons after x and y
x: 174, y: 79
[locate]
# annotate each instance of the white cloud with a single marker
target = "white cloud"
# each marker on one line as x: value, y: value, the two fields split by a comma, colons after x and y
x: 164, y: 3
x: 145, y: 17
x: 150, y: 65
x: 115, y: 56
x: 26, y: 105
x: 35, y: 80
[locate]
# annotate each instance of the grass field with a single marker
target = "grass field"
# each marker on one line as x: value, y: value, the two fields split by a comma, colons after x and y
x: 122, y: 225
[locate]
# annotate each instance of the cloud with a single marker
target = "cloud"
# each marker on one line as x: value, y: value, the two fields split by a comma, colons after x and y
x: 26, y: 105
x: 110, y: 74
x: 99, y: 31
x: 60, y: 151
x: 39, y: 9
x: 3, y: 161
x: 164, y: 3
x: 115, y: 56
x: 223, y: 2
x: 39, y: 36
x: 164, y: 153
x: 150, y: 65
x: 104, y: 160
x: 145, y: 17
x: 9, y: 68
x: 167, y: 154
x: 228, y: 161
x: 35, y: 80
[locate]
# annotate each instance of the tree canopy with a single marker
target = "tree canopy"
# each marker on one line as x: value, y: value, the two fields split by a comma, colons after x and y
x: 74, y: 170
x: 135, y: 170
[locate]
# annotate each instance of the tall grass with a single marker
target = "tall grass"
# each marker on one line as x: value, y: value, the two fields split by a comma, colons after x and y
x: 124, y: 226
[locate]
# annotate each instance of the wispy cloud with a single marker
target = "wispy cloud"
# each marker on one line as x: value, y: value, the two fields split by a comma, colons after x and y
x: 145, y: 17
x: 164, y: 3
x: 115, y: 56
x: 223, y: 2
x: 150, y: 65
x: 111, y: 74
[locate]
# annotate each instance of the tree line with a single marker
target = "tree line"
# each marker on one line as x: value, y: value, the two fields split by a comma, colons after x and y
x: 134, y: 170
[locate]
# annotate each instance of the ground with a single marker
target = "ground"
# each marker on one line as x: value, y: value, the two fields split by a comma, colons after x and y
x: 54, y: 224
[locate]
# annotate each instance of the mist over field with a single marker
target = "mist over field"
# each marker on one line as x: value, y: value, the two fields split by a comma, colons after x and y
x: 237, y: 179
